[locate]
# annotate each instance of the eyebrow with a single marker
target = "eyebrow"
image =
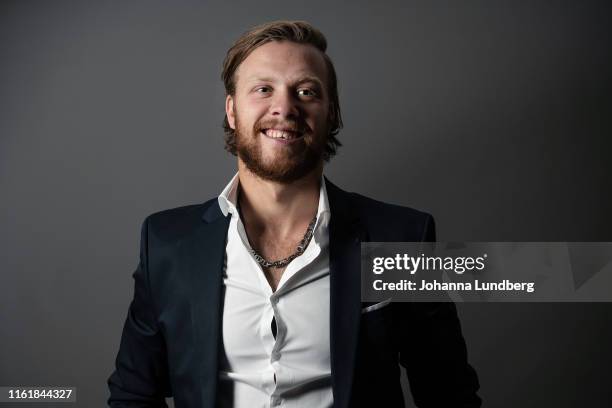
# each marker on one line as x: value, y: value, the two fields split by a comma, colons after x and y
x: 301, y: 80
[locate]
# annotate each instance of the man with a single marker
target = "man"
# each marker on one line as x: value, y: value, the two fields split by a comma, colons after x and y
x: 252, y: 299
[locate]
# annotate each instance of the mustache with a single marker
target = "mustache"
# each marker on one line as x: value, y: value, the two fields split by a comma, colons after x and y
x: 291, y: 125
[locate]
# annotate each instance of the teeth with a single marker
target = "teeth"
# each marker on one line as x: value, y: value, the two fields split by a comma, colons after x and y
x: 280, y: 134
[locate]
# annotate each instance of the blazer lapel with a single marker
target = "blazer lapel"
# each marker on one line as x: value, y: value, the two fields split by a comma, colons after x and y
x: 204, y: 259
x: 345, y: 238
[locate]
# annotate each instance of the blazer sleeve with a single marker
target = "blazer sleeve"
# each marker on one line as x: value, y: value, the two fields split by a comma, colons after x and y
x: 140, y: 378
x: 434, y: 353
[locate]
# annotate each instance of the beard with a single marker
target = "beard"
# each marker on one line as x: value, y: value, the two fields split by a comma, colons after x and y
x: 291, y: 162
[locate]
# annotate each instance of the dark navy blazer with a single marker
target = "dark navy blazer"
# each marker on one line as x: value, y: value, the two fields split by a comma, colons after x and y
x: 172, y: 335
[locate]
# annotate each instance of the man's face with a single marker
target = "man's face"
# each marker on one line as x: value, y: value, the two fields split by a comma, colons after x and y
x: 280, y: 110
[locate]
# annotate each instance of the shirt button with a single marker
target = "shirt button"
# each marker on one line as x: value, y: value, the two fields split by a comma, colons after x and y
x: 275, y: 355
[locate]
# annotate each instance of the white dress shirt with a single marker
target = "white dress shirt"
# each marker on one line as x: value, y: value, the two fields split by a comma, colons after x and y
x: 256, y: 369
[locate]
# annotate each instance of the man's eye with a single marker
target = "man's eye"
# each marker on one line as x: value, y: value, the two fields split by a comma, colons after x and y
x: 307, y: 92
x: 262, y: 89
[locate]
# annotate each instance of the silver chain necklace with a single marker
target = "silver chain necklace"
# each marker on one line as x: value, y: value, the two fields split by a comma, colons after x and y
x: 299, y: 251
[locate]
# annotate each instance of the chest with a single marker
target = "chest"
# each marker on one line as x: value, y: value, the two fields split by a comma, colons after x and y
x: 272, y: 249
x: 293, y: 322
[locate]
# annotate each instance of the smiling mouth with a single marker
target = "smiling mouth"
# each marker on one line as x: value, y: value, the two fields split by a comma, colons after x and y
x: 282, y: 134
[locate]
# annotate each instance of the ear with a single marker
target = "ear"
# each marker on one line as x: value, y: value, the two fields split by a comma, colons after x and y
x: 229, y: 111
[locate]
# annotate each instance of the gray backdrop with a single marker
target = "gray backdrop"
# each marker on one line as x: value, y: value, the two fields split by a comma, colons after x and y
x: 493, y: 116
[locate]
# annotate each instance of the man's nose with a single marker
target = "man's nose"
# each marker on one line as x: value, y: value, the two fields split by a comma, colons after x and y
x: 285, y: 105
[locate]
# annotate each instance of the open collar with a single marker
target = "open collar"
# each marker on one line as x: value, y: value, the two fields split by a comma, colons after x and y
x: 207, y: 254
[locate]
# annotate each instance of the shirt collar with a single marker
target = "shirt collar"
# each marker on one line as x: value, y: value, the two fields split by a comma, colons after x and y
x: 228, y: 199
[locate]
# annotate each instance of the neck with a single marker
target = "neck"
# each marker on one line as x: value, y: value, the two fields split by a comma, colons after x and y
x: 278, y: 208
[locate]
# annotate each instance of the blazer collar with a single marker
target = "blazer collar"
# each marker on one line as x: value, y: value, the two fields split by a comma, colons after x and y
x: 212, y: 212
